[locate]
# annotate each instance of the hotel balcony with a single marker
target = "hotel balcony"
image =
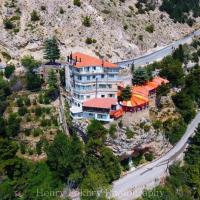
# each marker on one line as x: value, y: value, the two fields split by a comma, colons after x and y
x: 98, y: 80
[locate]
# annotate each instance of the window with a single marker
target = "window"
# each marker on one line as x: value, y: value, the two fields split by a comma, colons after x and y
x: 93, y: 77
x: 88, y: 78
x: 109, y: 86
x: 102, y: 76
x: 102, y: 96
x: 111, y: 95
x: 94, y: 68
x: 91, y: 114
x: 88, y: 97
x: 111, y: 75
x: 102, y: 86
x: 101, y: 116
x: 87, y: 69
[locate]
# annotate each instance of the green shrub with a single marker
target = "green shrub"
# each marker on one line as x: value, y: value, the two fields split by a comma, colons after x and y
x: 90, y: 41
x: 112, y: 130
x: 62, y: 10
x: 45, y: 122
x: 6, y: 55
x: 77, y: 3
x: 8, y: 24
x: 39, y: 147
x: 16, y: 30
x: 87, y: 21
x: 20, y: 102
x: 149, y: 156
x: 157, y: 124
x: 34, y: 16
x: 125, y: 27
x: 27, y: 101
x: 9, y: 70
x: 30, y: 152
x: 27, y: 132
x: 28, y: 118
x: 37, y: 132
x: 55, y: 121
x: 43, y: 8
x: 150, y: 28
x: 38, y: 111
x: 15, y: 18
x: 140, y: 37
x: 22, y: 111
x: 146, y: 128
x: 106, y: 11
x: 129, y: 133
x: 22, y: 148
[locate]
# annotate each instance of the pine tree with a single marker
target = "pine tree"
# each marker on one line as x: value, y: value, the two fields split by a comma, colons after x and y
x: 140, y: 76
x: 51, y: 50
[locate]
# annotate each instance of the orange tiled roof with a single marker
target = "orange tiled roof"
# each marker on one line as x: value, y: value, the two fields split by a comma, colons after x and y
x: 136, y: 100
x: 117, y: 113
x: 140, y: 90
x: 160, y: 80
x: 100, y: 103
x: 151, y: 85
x: 84, y: 60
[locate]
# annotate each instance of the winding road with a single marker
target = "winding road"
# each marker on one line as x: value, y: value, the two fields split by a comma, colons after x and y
x: 131, y: 186
x: 159, y: 54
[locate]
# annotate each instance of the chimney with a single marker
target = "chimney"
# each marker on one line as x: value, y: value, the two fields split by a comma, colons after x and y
x: 68, y: 59
x: 102, y: 63
x: 80, y: 59
x: 76, y: 59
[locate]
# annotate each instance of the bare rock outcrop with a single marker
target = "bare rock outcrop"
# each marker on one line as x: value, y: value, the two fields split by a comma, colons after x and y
x: 118, y: 29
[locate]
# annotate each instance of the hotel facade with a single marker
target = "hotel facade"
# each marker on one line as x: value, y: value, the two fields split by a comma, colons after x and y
x: 89, y: 78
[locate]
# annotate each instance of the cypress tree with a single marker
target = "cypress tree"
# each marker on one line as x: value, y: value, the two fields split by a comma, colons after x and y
x: 51, y: 50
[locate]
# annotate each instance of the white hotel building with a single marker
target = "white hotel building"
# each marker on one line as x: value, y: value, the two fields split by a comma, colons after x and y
x: 89, y: 78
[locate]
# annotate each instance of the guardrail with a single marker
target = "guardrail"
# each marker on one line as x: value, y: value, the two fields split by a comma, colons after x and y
x: 159, y: 54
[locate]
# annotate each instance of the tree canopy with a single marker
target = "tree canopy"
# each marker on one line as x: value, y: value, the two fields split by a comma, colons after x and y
x: 126, y: 93
x: 140, y: 76
x: 30, y: 63
x: 9, y: 70
x: 65, y: 157
x: 173, y: 71
x: 183, y: 182
x: 51, y: 50
x: 180, y: 12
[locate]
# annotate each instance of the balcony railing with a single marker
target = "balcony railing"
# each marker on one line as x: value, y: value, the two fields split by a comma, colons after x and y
x: 98, y: 80
x: 92, y: 90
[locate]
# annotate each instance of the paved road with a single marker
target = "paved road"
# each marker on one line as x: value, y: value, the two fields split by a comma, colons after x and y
x: 159, y: 54
x: 148, y: 176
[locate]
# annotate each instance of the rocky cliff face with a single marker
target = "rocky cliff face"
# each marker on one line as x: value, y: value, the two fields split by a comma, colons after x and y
x: 117, y: 30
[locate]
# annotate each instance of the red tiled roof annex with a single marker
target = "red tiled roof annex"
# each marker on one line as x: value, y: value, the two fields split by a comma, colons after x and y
x: 100, y: 103
x: 84, y: 60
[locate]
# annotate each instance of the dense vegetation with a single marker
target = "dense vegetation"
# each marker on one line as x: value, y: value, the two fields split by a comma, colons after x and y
x: 183, y: 182
x: 141, y: 76
x: 90, y: 167
x: 180, y: 12
x: 186, y: 82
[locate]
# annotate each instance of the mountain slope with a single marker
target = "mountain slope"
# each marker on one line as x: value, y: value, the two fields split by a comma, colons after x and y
x: 119, y: 31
